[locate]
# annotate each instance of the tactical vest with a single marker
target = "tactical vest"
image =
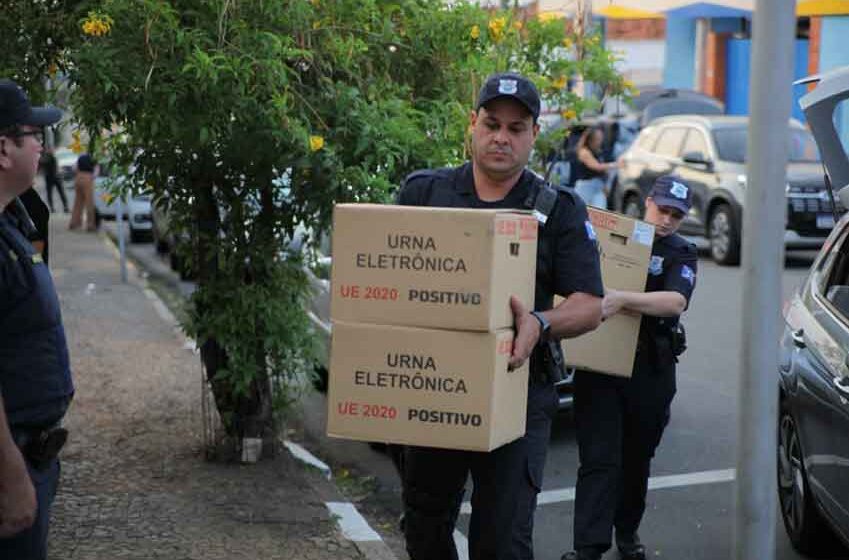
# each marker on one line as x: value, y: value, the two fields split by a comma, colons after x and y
x: 35, y: 373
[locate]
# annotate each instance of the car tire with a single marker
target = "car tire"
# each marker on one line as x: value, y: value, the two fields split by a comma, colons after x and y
x: 724, y: 236
x: 807, y: 529
x: 633, y: 206
x: 136, y: 236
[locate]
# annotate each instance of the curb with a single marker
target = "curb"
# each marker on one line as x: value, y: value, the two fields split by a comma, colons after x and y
x: 349, y: 521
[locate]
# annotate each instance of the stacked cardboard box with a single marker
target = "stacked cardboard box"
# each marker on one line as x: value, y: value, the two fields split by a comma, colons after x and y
x: 422, y: 325
x: 625, y: 250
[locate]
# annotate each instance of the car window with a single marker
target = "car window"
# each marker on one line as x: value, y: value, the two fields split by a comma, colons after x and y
x: 647, y: 139
x: 669, y: 143
x: 695, y: 142
x: 833, y: 276
x: 731, y: 143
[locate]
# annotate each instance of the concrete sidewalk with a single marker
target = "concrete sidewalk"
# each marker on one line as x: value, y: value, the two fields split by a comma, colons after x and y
x: 135, y: 483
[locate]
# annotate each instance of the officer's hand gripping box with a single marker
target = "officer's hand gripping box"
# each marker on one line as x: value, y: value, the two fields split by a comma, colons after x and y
x: 431, y: 267
x: 427, y: 387
x: 625, y: 250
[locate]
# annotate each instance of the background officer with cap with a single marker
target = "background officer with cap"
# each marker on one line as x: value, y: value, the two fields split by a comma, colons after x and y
x: 35, y: 375
x: 619, y: 421
x: 506, y: 480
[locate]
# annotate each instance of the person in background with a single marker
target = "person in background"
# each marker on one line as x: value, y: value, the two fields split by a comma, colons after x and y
x: 37, y: 218
x: 84, y: 195
x: 50, y: 168
x: 590, y: 173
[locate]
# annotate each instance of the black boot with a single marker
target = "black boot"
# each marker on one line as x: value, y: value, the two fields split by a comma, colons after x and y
x: 630, y: 547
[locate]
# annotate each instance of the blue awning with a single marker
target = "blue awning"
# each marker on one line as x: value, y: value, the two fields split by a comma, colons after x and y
x: 708, y: 10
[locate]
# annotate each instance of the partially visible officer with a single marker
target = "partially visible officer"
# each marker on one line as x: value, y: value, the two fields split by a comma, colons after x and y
x: 619, y: 421
x: 506, y: 481
x: 35, y: 376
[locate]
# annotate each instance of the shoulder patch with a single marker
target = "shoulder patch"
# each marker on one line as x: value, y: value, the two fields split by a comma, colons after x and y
x: 688, y: 274
x: 590, y: 231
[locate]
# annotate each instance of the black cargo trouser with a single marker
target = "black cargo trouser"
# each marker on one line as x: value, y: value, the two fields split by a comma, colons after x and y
x: 505, y: 484
x: 619, y: 423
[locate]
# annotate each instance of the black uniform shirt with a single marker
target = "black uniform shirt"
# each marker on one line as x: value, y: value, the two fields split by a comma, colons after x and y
x: 673, y: 268
x: 567, y: 254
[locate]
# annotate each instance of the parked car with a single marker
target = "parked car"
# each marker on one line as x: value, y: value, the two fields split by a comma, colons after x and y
x: 621, y: 122
x: 66, y: 162
x: 137, y: 210
x: 710, y: 153
x: 813, y: 369
x: 813, y: 425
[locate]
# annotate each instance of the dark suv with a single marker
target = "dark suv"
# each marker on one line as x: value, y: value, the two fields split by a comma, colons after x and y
x: 710, y: 152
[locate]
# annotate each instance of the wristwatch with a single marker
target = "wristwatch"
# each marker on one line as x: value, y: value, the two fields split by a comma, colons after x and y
x: 544, y: 327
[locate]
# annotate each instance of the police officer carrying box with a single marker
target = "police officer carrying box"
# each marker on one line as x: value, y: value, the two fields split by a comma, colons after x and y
x: 35, y: 376
x: 506, y: 481
x: 619, y: 421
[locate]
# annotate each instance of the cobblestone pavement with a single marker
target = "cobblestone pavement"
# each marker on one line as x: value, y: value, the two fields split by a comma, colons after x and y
x: 134, y: 480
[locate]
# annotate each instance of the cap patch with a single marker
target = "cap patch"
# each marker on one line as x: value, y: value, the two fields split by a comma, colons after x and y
x: 508, y: 87
x: 678, y: 190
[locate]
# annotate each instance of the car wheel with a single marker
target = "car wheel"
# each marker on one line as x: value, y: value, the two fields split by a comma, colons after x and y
x: 805, y: 526
x: 136, y: 236
x: 724, y: 236
x: 633, y: 207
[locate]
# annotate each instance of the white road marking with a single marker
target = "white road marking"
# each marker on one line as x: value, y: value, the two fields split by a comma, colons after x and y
x: 655, y: 483
x: 353, y: 525
x: 305, y: 456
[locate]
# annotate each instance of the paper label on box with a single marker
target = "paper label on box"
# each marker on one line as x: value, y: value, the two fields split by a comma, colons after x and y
x: 643, y: 233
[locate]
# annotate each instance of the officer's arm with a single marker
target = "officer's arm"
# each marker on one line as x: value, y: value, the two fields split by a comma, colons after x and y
x: 17, y: 496
x: 577, y: 314
x: 656, y: 304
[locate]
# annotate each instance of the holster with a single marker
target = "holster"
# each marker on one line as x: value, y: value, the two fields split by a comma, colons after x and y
x: 40, y: 447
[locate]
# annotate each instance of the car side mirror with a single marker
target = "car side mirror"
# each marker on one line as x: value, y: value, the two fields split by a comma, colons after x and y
x: 698, y: 159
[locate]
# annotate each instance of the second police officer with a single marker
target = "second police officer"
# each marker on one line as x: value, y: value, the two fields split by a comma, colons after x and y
x: 506, y: 481
x: 619, y: 421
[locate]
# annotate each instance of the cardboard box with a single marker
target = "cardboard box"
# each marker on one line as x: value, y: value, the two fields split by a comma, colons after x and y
x: 431, y: 267
x: 433, y: 388
x: 625, y: 250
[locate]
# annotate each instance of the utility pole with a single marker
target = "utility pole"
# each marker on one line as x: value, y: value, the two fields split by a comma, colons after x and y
x: 774, y: 32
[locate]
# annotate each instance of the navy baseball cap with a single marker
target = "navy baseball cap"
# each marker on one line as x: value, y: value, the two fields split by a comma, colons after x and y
x: 672, y: 191
x: 510, y: 84
x: 15, y: 109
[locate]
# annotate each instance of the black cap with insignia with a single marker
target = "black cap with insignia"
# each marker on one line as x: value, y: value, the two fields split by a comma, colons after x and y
x: 511, y: 84
x: 15, y: 109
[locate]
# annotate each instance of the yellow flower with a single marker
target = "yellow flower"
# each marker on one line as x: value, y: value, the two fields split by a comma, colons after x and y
x: 628, y: 84
x: 569, y: 114
x: 97, y: 25
x: 475, y: 32
x: 316, y: 143
x: 517, y: 25
x: 567, y: 42
x: 560, y: 82
x: 76, y: 145
x: 496, y: 28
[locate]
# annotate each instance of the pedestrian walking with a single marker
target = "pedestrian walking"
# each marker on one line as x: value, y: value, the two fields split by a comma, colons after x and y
x: 506, y: 480
x: 35, y: 375
x: 50, y: 169
x: 84, y: 195
x: 619, y: 421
